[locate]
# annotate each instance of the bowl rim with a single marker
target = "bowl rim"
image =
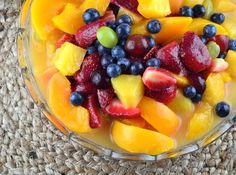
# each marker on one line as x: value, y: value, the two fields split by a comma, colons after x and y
x: 31, y: 86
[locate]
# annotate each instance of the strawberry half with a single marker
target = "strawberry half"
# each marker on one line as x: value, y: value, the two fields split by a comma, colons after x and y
x: 95, y: 118
x: 169, y: 56
x: 117, y: 109
x: 131, y: 5
x: 85, y: 88
x: 151, y: 53
x: 105, y: 97
x: 158, y: 79
x: 65, y: 38
x: 194, y: 53
x: 164, y: 95
x: 89, y: 65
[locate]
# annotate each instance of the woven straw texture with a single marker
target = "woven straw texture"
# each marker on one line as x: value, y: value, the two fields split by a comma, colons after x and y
x: 28, y: 146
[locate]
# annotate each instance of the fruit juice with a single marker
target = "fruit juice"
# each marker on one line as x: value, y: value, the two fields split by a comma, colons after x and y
x: 154, y: 80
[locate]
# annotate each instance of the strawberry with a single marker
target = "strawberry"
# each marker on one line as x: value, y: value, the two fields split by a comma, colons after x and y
x: 222, y: 41
x: 169, y: 56
x: 197, y: 81
x: 89, y: 65
x: 105, y: 97
x: 194, y: 53
x: 218, y: 65
x: 109, y: 16
x: 65, y: 38
x: 85, y: 88
x: 151, y: 53
x: 95, y: 118
x: 117, y: 109
x: 158, y: 79
x: 164, y: 95
x: 131, y: 5
x: 86, y: 35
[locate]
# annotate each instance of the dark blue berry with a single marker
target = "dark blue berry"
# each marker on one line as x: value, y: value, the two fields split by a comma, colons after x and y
x: 91, y: 50
x: 103, y: 50
x: 197, y: 98
x: 124, y: 63
x: 124, y: 19
x: 76, y: 98
x: 218, y: 18
x: 153, y: 62
x: 91, y: 15
x: 96, y: 43
x: 222, y: 109
x: 199, y: 11
x: 154, y: 26
x: 186, y: 11
x: 113, y: 70
x: 118, y: 52
x: 100, y: 79
x: 123, y: 30
x: 136, y: 68
x: 151, y: 41
x: 96, y: 78
x: 209, y: 31
x: 232, y: 44
x: 106, y: 60
x: 222, y: 55
x: 203, y: 39
x: 122, y: 43
x: 112, y: 25
x: 190, y: 92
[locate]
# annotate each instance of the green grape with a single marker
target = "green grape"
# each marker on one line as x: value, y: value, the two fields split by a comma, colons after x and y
x: 209, y: 8
x: 107, y: 37
x: 214, y: 49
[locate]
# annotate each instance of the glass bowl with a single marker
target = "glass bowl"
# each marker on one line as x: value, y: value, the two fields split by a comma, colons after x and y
x: 30, y: 82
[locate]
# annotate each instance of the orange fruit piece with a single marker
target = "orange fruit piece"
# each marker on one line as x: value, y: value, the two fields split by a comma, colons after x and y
x: 175, y: 6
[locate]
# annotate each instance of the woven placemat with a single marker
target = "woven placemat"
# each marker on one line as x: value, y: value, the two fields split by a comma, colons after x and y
x: 27, y: 146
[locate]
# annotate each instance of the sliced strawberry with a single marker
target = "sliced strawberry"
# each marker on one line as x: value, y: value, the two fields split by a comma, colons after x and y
x: 131, y: 5
x: 109, y: 16
x: 164, y: 96
x: 85, y: 88
x: 197, y: 81
x: 65, y: 38
x: 95, y: 118
x: 222, y: 41
x: 218, y: 65
x: 194, y: 53
x: 105, y: 97
x: 89, y: 65
x: 158, y: 79
x: 117, y: 109
x: 86, y: 35
x: 151, y: 53
x: 169, y: 56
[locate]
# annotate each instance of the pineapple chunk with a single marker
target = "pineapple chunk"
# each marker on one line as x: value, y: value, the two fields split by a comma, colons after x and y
x: 69, y: 58
x: 129, y: 89
x: 154, y: 8
x: 223, y: 5
x: 192, y: 3
x: 231, y: 59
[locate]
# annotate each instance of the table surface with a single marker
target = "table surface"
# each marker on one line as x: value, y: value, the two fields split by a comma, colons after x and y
x: 28, y: 146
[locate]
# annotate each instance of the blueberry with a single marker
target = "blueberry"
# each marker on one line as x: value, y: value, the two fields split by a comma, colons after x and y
x: 91, y: 50
x: 186, y: 11
x: 100, y: 79
x: 76, y: 98
x: 153, y: 62
x: 151, y: 41
x: 106, y: 60
x: 124, y: 63
x: 103, y: 50
x: 154, y: 26
x: 222, y: 109
x: 197, y: 98
x: 91, y: 15
x: 232, y: 44
x: 122, y: 43
x: 118, y: 52
x: 218, y: 18
x: 96, y: 43
x: 209, y: 31
x: 136, y: 68
x: 112, y: 25
x: 124, y: 19
x: 190, y: 91
x: 199, y: 11
x: 113, y: 70
x: 203, y: 39
x: 123, y: 30
x: 96, y: 78
x: 222, y: 55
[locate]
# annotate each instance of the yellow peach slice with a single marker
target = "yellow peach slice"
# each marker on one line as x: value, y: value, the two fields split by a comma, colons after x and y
x: 139, y: 140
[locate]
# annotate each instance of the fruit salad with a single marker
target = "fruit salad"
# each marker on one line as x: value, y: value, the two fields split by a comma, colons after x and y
x: 136, y: 76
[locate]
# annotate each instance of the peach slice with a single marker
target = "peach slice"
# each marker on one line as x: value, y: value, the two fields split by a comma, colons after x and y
x: 139, y: 122
x: 74, y: 118
x: 159, y: 116
x: 175, y: 6
x: 139, y: 140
